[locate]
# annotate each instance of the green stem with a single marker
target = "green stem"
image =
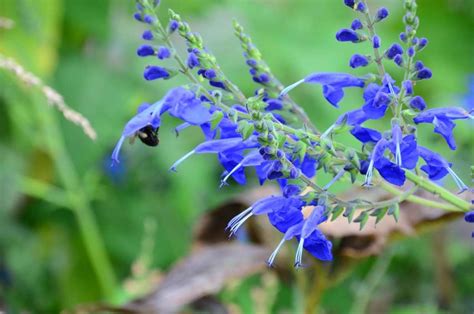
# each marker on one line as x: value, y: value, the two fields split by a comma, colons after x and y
x: 371, y: 29
x: 419, y: 200
x: 366, y: 291
x: 440, y: 191
x: 78, y: 201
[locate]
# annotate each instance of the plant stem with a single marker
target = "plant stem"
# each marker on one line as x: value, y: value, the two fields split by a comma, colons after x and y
x: 370, y: 27
x: 366, y: 291
x: 78, y: 201
x: 440, y: 191
x: 419, y: 200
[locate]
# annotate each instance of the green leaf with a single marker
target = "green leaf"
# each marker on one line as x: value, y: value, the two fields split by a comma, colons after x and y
x: 394, y: 210
x: 379, y: 213
x: 245, y: 128
x: 349, y: 213
x: 336, y: 212
x: 362, y: 219
x: 216, y: 118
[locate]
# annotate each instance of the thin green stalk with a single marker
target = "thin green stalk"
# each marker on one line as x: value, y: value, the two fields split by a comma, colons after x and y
x: 366, y: 292
x: 370, y: 27
x: 78, y: 201
x: 440, y: 191
x: 419, y: 200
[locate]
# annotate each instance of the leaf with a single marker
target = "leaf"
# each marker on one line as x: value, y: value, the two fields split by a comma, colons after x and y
x: 379, y: 213
x: 349, y: 213
x: 394, y: 210
x: 216, y: 119
x: 362, y: 219
x: 336, y: 212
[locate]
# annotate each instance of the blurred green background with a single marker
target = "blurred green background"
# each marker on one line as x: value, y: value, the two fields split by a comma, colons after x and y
x: 86, y: 50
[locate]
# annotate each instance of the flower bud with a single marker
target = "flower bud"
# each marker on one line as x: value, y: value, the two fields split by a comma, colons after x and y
x: 424, y: 74
x: 398, y: 59
x: 356, y: 24
x: 145, y: 50
x: 163, y: 53
x: 418, y: 103
x: 155, y: 72
x: 173, y: 26
x: 348, y: 35
x: 382, y: 13
x: 394, y: 50
x: 147, y: 35
x: 376, y: 41
x: 422, y: 43
x: 403, y: 37
x: 358, y: 60
x: 408, y: 86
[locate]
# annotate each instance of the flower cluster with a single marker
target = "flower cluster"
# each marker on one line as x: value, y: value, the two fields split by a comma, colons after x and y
x: 261, y: 131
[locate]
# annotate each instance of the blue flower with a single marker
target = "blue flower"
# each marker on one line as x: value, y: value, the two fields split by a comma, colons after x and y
x: 395, y: 49
x: 424, y: 74
x: 356, y: 24
x: 155, y: 72
x: 417, y: 102
x: 358, y: 60
x: 173, y: 26
x: 366, y: 135
x: 346, y: 34
x: 193, y: 60
x: 350, y: 3
x: 163, y: 53
x: 178, y: 101
x: 381, y: 14
x: 145, y: 50
x: 376, y: 41
x: 147, y: 35
x: 236, y: 169
x: 390, y: 171
x: 408, y: 86
x: 377, y: 100
x: 442, y: 119
x: 333, y: 84
x: 307, y: 233
x: 264, y: 206
x: 437, y: 167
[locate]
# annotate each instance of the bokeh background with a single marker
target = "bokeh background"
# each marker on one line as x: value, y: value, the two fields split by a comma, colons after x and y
x: 140, y: 212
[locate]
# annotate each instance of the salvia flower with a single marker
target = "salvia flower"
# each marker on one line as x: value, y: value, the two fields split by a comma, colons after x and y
x: 376, y: 41
x: 437, y: 167
x: 417, y: 102
x: 395, y: 49
x: 173, y: 26
x: 442, y: 119
x: 155, y: 72
x: 356, y: 24
x: 358, y: 60
x: 346, y: 34
x: 179, y: 102
x: 333, y: 85
x: 163, y: 53
x: 147, y: 35
x: 381, y: 14
x: 145, y: 50
x: 424, y: 74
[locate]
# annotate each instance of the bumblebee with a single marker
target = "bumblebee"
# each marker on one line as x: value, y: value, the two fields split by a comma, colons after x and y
x: 149, y: 135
